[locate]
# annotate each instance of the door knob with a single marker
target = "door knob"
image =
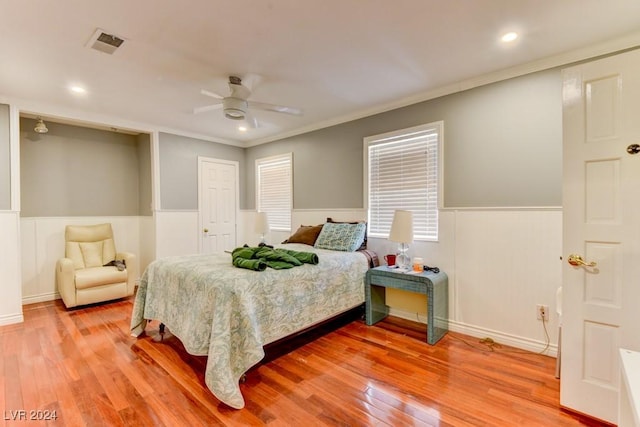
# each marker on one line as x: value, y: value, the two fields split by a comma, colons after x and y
x: 206, y: 230
x: 633, y: 149
x: 577, y: 261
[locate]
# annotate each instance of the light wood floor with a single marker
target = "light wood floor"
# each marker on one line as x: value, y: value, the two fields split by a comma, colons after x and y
x: 83, y: 366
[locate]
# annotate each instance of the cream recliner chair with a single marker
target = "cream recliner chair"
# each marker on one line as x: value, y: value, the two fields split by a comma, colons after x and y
x: 82, y: 277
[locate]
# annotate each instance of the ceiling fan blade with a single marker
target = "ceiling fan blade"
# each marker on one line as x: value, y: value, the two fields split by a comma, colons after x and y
x: 277, y: 108
x: 251, y: 80
x: 250, y: 121
x: 198, y: 110
x: 239, y: 91
x: 211, y: 94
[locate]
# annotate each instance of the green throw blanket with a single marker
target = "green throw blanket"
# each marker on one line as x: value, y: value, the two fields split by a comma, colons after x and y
x: 259, y: 258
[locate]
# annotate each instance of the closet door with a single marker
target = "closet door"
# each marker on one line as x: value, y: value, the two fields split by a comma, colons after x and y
x: 218, y: 204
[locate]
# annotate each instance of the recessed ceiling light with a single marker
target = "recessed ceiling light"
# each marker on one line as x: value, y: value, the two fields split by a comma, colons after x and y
x: 77, y: 89
x: 509, y: 37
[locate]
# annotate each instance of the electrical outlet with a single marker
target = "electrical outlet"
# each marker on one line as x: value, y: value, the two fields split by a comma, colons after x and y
x: 542, y: 312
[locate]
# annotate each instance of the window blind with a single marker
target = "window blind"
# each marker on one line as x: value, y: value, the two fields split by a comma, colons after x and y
x: 403, y: 174
x: 274, y: 190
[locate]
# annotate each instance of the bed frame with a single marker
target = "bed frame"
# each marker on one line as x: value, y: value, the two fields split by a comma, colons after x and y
x: 298, y: 339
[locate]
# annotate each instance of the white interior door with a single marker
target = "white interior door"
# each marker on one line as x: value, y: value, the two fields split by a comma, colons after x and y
x: 218, y: 204
x: 601, y: 223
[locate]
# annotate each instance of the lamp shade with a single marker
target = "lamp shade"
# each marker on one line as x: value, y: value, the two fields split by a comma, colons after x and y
x: 262, y: 223
x: 402, y: 227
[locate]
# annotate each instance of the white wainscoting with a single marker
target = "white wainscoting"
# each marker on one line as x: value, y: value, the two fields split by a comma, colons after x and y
x: 245, y: 230
x: 506, y: 263
x: 500, y: 264
x: 147, y: 241
x: 42, y: 244
x: 177, y: 233
x: 10, y: 302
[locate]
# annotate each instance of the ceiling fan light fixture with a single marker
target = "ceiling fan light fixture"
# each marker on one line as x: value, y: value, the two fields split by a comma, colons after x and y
x: 234, y: 108
x: 234, y: 114
x: 40, y: 127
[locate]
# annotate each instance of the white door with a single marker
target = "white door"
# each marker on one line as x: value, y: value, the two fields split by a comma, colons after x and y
x: 601, y: 224
x: 218, y: 204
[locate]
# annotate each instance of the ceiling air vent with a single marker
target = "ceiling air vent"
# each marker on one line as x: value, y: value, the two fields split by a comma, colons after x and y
x: 107, y: 43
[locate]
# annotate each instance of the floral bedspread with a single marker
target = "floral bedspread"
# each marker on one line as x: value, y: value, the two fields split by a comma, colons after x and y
x: 228, y: 313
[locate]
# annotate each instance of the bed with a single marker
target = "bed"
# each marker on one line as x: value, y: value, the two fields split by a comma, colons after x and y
x: 229, y: 314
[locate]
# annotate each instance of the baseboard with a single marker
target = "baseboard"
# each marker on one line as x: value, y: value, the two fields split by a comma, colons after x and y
x: 10, y: 319
x: 478, y: 332
x: 32, y: 299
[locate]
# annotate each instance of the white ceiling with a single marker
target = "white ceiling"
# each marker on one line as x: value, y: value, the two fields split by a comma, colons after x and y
x: 335, y: 59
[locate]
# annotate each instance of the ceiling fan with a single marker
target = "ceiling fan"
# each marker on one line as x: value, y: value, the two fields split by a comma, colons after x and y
x: 236, y: 106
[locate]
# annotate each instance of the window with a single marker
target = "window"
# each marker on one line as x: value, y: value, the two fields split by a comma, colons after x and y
x: 402, y: 171
x: 274, y: 190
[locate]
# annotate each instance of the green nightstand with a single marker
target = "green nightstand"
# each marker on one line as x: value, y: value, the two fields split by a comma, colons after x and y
x: 434, y: 285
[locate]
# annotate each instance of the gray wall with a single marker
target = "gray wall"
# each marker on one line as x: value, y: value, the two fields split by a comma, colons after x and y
x: 5, y: 159
x: 179, y: 169
x: 503, y: 148
x: 504, y: 143
x: 327, y: 168
x: 77, y: 171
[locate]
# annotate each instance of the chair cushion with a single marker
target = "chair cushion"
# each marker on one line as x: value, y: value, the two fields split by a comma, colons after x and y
x: 89, y: 245
x: 92, y: 253
x: 96, y: 276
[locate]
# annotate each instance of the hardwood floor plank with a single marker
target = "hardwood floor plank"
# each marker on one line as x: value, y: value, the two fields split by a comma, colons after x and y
x: 281, y: 409
x: 324, y: 361
x: 283, y: 386
x: 69, y: 413
x: 170, y: 415
x: 194, y: 387
x: 427, y: 415
x: 87, y: 407
x: 136, y: 376
x: 13, y: 341
x: 335, y: 415
x: 122, y: 393
x: 13, y: 383
x: 84, y: 364
x: 42, y: 380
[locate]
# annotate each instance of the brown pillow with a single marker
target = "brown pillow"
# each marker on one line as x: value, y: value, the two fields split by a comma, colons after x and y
x: 306, y: 234
x: 364, y: 244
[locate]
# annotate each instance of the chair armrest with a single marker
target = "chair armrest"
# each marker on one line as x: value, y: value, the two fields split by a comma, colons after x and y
x: 131, y: 264
x: 65, y: 281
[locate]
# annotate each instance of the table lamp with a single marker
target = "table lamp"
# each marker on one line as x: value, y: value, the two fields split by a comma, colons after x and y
x: 402, y: 233
x: 262, y: 226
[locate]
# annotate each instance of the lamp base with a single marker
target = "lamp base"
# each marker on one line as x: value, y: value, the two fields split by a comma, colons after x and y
x: 403, y: 261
